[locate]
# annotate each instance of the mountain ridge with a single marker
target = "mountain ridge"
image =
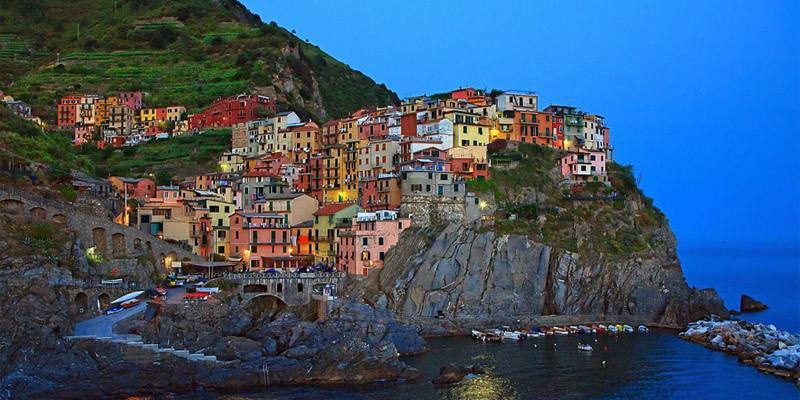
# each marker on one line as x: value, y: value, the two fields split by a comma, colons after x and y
x: 185, y: 52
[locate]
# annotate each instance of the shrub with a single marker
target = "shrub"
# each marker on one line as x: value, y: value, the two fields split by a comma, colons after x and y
x: 69, y: 193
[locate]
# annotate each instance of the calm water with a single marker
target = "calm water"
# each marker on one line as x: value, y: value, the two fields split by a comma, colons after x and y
x: 658, y: 365
x: 770, y: 275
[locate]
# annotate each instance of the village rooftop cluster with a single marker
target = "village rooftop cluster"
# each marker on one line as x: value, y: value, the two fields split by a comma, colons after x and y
x: 292, y: 194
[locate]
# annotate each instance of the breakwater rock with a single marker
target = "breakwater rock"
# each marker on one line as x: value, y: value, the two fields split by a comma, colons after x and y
x: 762, y: 346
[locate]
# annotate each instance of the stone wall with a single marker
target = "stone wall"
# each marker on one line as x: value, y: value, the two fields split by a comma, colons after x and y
x: 112, y: 240
x: 428, y: 210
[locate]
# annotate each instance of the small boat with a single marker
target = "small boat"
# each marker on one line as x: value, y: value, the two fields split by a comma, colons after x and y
x: 612, y: 329
x: 585, y: 329
x: 127, y: 297
x: 601, y: 328
x: 627, y: 329
x: 114, y: 310
x: 619, y: 327
x: 560, y: 331
x: 478, y: 335
x: 584, y: 347
x: 130, y: 303
x: 643, y: 329
x: 161, y: 291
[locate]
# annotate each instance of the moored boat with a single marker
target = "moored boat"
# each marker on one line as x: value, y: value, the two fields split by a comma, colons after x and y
x: 130, y: 303
x: 584, y: 347
x: 601, y: 328
x: 643, y: 329
x: 612, y: 329
x: 627, y: 329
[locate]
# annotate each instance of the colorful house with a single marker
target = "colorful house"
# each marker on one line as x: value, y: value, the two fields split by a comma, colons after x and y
x: 364, y: 246
x: 328, y: 220
x: 584, y: 166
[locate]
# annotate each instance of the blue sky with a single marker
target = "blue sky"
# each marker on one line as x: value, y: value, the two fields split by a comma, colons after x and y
x: 701, y: 96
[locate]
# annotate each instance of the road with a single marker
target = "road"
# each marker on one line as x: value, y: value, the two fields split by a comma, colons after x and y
x: 103, y: 325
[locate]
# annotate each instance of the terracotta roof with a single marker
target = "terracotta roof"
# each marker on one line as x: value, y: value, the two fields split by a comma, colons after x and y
x: 331, y: 209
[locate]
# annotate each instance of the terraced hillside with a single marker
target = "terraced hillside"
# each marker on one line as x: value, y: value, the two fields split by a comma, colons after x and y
x: 180, y: 52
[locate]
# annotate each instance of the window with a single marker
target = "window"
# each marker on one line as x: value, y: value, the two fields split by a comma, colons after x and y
x: 299, y: 288
x: 364, y: 241
x: 214, y: 208
x: 381, y: 255
x: 380, y: 241
x: 221, y: 250
x: 280, y: 287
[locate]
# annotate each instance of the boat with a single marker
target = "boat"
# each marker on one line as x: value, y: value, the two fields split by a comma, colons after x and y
x: 114, y: 310
x: 584, y: 347
x: 477, y: 334
x: 585, y: 329
x: 129, y: 296
x: 619, y: 327
x: 560, y: 331
x: 117, y: 281
x: 601, y: 328
x: 612, y: 329
x: 130, y: 303
x: 195, y: 296
x: 161, y: 291
x: 208, y: 289
x: 627, y: 329
x: 643, y: 329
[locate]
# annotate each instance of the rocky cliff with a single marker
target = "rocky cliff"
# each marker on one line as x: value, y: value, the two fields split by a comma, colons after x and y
x: 539, y: 256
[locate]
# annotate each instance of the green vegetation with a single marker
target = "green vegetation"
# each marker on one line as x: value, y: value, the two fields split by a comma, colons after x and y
x: 163, y: 159
x: 186, y: 52
x: 613, y: 226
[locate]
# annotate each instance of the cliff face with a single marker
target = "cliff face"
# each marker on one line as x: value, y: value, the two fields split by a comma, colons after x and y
x: 540, y: 256
x: 472, y: 276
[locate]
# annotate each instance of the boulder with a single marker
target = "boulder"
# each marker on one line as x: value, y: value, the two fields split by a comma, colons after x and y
x: 237, y: 347
x: 452, y: 373
x: 749, y: 304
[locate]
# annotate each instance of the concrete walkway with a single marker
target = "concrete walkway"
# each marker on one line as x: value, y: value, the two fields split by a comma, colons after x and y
x: 103, y: 325
x: 102, y: 328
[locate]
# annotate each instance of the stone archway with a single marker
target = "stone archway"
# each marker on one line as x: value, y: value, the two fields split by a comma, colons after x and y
x: 100, y: 240
x: 104, y: 300
x: 81, y: 303
x: 11, y: 207
x: 38, y: 214
x: 118, y: 246
x: 264, y: 306
x: 60, y: 219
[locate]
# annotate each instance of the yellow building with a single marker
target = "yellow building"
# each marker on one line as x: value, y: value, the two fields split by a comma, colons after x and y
x: 469, y: 129
x: 327, y: 221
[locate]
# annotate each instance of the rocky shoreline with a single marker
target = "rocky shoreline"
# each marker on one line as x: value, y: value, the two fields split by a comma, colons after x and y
x: 763, y: 346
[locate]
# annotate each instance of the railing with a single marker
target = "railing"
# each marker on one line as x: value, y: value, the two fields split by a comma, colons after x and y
x: 283, y: 275
x: 94, y: 283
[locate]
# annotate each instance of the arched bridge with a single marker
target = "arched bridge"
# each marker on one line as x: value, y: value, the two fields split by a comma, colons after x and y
x: 294, y: 289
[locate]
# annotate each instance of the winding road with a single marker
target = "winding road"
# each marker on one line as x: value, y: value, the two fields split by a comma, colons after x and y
x: 103, y: 325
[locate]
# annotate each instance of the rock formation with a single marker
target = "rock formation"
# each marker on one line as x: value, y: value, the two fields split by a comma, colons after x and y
x: 748, y: 304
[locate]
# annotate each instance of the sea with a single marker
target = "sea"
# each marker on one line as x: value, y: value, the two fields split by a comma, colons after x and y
x: 658, y: 365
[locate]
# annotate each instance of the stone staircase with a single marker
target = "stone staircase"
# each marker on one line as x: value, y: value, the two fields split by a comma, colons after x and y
x: 133, y: 349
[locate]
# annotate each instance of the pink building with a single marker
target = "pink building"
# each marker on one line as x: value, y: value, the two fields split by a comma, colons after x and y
x: 137, y: 188
x: 131, y: 99
x: 584, y: 166
x: 365, y: 245
x: 264, y: 241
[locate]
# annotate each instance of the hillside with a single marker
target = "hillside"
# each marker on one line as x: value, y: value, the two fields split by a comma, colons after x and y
x: 186, y: 52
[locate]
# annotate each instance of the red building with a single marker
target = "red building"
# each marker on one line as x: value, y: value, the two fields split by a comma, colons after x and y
x: 380, y: 192
x: 232, y: 110
x: 408, y: 124
x: 463, y: 94
x: 68, y: 112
